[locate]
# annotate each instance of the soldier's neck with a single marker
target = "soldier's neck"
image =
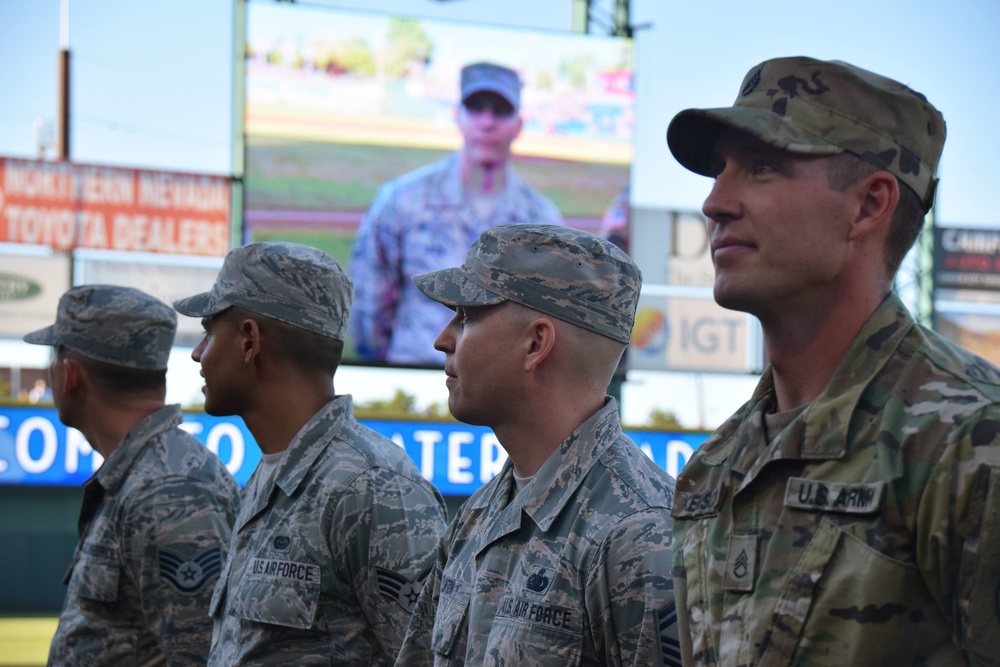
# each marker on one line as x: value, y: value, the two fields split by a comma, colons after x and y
x: 479, y: 179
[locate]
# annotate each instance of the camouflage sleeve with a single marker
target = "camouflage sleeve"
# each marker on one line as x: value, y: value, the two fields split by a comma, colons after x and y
x: 958, y: 531
x: 176, y: 537
x: 386, y: 530
x: 630, y: 596
x: 375, y: 270
x: 416, y: 650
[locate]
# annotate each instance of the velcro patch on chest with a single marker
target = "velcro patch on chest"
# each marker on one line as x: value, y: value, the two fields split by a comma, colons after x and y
x: 693, y: 504
x: 848, y: 497
x: 539, y: 614
x: 285, y: 569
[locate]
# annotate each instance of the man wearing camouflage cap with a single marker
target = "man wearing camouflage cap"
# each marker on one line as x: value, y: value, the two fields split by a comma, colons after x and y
x: 157, y: 515
x: 337, y: 529
x: 564, y: 558
x: 849, y: 512
x: 426, y: 219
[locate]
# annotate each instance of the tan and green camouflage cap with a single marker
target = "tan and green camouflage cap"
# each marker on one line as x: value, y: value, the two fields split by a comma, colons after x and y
x: 290, y: 282
x: 122, y: 326
x: 816, y: 107
x: 563, y: 272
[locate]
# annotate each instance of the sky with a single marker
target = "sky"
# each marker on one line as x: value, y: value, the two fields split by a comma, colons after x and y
x: 152, y: 82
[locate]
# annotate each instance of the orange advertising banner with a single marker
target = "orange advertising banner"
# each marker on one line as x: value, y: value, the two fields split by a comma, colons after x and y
x: 65, y: 205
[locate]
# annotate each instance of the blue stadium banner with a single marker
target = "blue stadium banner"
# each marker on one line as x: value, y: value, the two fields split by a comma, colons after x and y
x: 36, y: 449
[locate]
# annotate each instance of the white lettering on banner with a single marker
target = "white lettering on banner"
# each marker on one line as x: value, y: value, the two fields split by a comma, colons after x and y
x: 48, y: 181
x: 236, y: 444
x: 45, y: 226
x: 95, y: 232
x: 971, y: 241
x: 459, y: 467
x: 77, y: 446
x: 22, y: 441
x: 491, y: 458
x: 182, y: 192
x: 107, y: 186
x: 427, y: 440
x: 678, y: 453
x: 168, y: 234
x: 705, y: 333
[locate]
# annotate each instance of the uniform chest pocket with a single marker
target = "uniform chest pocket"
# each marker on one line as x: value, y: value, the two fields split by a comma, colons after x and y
x: 97, y: 579
x: 451, y: 617
x: 276, y: 597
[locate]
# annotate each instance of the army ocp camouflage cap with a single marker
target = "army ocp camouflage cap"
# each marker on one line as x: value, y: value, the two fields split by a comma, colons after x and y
x: 560, y: 271
x: 497, y: 79
x: 118, y: 325
x: 290, y: 282
x: 816, y: 107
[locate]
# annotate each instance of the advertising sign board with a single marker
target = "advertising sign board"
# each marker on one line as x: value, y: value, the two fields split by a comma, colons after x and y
x: 36, y: 449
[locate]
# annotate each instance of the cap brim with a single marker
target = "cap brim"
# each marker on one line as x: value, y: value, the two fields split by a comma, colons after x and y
x: 46, y: 336
x: 199, y: 305
x: 472, y: 89
x: 692, y: 134
x: 453, y: 288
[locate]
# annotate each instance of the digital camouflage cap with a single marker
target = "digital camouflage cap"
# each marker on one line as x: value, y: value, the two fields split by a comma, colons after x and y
x: 816, y: 107
x: 560, y: 271
x: 503, y: 81
x: 290, y: 282
x: 117, y: 325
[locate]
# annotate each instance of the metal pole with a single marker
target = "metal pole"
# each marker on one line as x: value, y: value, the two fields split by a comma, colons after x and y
x: 64, y: 81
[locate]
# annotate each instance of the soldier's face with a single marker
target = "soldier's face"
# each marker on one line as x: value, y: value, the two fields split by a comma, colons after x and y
x: 481, y: 363
x: 779, y: 233
x: 220, y: 356
x: 489, y: 125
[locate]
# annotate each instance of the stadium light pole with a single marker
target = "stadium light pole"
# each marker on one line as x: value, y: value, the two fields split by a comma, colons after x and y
x: 64, y: 81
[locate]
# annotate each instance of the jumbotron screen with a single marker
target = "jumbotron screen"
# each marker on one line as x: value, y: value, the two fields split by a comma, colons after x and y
x: 340, y: 102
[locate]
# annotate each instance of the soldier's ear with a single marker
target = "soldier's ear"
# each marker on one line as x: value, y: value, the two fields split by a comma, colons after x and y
x: 878, y: 196
x: 74, y: 374
x: 250, y: 340
x: 541, y: 339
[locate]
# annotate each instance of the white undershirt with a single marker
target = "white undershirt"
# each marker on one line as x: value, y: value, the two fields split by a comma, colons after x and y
x: 265, y: 470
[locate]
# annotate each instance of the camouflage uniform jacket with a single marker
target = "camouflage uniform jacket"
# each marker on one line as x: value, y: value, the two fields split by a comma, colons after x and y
x: 574, y: 569
x: 422, y: 221
x: 867, y: 532
x: 327, y: 561
x: 154, y: 527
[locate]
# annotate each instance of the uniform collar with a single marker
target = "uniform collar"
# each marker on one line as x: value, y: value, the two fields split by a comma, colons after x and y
x: 115, y: 469
x: 310, y: 441
x: 548, y: 492
x: 302, y: 452
x: 821, y: 431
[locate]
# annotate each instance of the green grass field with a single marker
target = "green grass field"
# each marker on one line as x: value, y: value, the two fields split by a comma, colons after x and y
x: 316, y: 175
x: 24, y: 642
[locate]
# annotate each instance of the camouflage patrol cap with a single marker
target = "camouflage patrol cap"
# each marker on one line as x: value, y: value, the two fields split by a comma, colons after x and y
x: 290, y: 282
x: 498, y: 79
x: 816, y: 107
x: 560, y: 271
x: 117, y: 325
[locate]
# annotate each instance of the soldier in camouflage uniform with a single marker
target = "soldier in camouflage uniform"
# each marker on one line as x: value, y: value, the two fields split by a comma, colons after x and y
x: 427, y: 219
x: 564, y: 558
x: 849, y: 513
x: 337, y: 530
x: 157, y: 515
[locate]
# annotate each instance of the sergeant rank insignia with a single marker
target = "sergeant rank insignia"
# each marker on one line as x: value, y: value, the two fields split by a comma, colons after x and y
x: 190, y: 576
